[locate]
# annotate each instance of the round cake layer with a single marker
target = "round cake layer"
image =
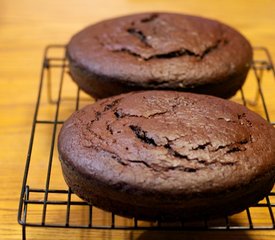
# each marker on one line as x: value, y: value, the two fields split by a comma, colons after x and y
x: 168, y: 155
x: 159, y: 51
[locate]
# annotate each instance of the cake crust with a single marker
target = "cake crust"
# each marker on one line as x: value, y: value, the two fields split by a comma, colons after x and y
x: 168, y: 155
x: 159, y: 51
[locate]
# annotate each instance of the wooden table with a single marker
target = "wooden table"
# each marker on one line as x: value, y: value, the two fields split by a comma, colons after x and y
x: 26, y: 27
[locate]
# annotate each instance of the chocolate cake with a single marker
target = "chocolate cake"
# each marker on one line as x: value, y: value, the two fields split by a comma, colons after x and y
x: 159, y: 51
x: 168, y: 155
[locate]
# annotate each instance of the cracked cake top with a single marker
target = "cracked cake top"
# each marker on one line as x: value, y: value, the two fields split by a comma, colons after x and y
x: 164, y: 141
x: 162, y: 50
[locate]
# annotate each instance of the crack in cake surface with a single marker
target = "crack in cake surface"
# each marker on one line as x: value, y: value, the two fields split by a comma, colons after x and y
x: 153, y: 37
x: 140, y: 35
x: 171, y: 158
x: 150, y: 18
x: 158, y: 38
x: 173, y: 54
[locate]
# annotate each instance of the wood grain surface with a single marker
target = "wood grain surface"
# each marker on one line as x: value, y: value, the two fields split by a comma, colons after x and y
x: 26, y: 27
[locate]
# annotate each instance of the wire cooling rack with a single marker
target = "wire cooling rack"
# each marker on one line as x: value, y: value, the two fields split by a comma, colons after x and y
x: 46, y: 201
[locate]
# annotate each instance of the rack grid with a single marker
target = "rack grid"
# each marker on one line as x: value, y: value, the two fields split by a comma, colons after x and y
x: 40, y: 198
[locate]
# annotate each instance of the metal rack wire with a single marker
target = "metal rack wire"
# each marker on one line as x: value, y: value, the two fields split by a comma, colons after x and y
x: 40, y: 196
